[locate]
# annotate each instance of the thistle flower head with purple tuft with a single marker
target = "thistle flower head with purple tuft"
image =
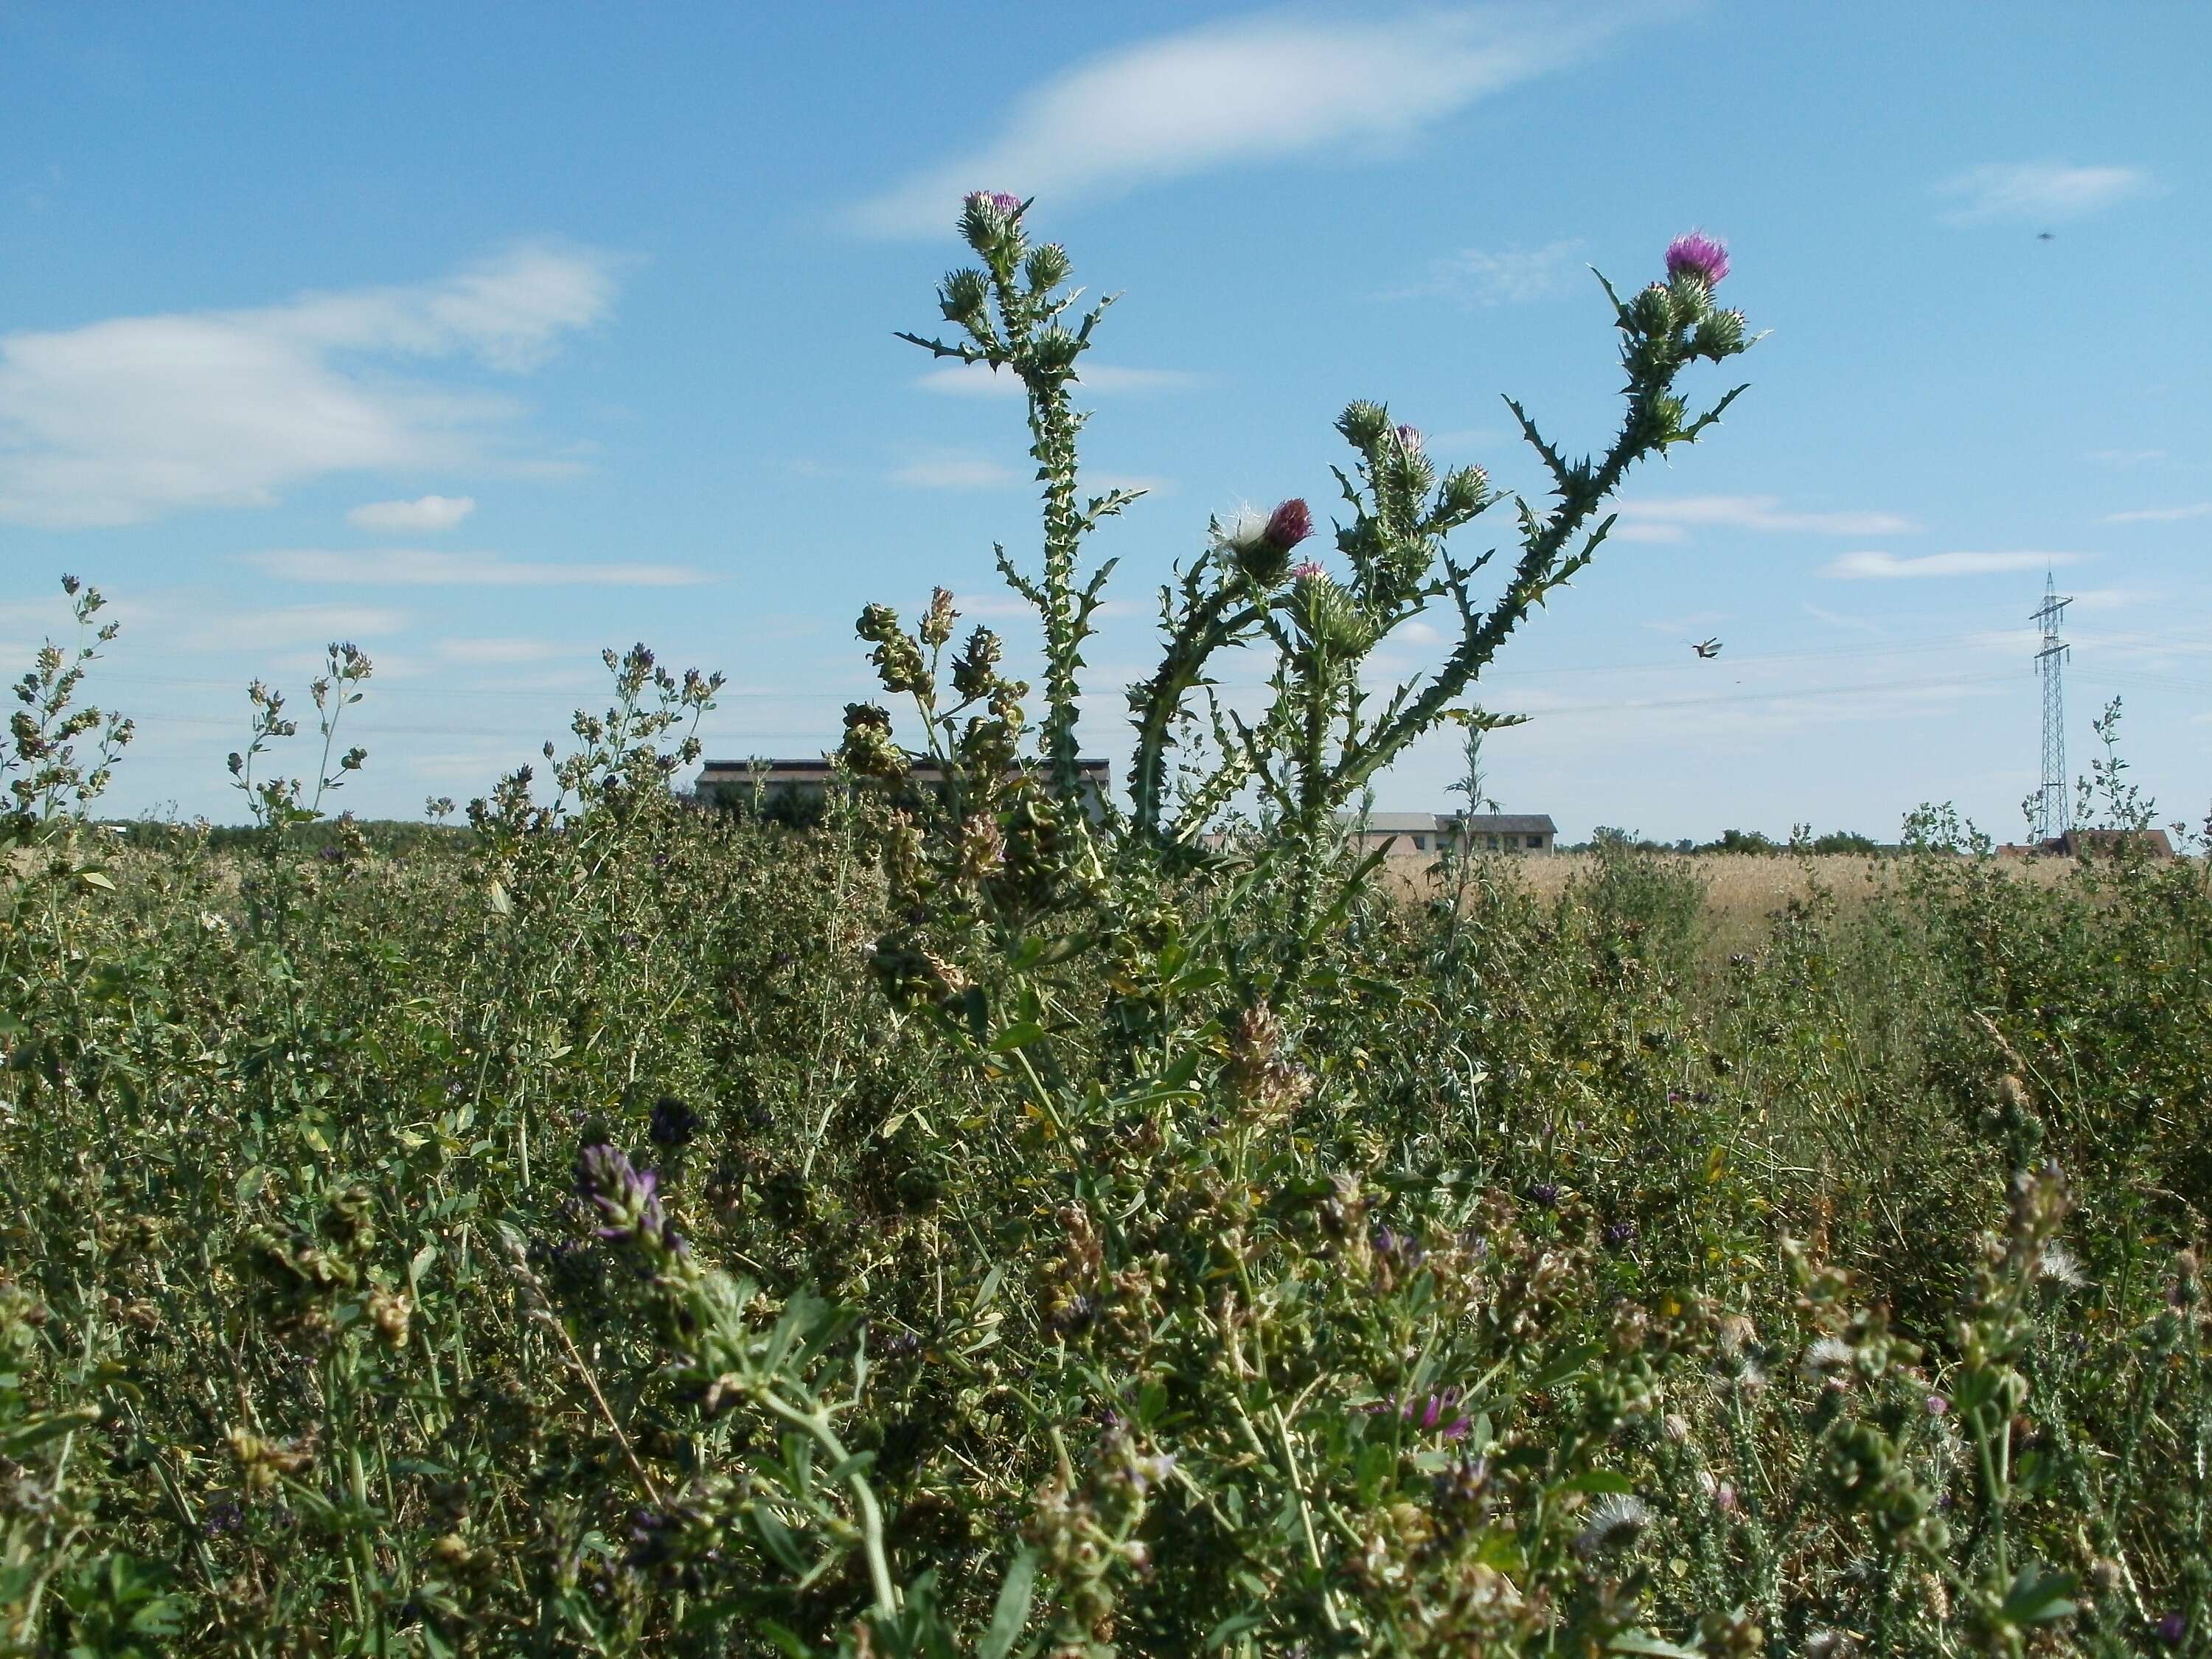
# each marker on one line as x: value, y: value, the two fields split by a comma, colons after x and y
x: 1308, y: 570
x: 1698, y: 255
x: 1289, y: 523
x: 998, y: 200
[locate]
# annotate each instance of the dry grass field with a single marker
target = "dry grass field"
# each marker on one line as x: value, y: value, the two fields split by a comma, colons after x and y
x: 1742, y: 891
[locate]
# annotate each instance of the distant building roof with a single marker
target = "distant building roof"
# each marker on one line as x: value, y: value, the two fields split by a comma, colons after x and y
x: 2075, y: 842
x: 1479, y: 824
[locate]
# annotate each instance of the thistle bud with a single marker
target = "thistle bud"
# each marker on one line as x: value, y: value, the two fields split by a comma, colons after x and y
x: 1055, y: 350
x: 962, y: 294
x: 1409, y: 439
x: 1364, y: 424
x: 990, y: 222
x: 1653, y: 310
x: 1466, y: 492
x: 1720, y: 334
x: 1047, y: 267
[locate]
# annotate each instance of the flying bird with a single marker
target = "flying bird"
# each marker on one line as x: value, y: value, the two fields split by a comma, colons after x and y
x: 1710, y: 649
x: 2041, y: 235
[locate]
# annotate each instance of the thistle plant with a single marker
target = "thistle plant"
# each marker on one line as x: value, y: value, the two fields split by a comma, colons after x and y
x: 1010, y: 312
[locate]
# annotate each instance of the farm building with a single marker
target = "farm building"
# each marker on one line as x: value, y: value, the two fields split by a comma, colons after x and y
x: 795, y: 789
x: 1418, y: 834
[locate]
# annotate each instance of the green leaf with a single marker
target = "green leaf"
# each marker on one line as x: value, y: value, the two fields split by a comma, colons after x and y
x: 2037, y: 1596
x: 1019, y: 1035
x: 777, y: 1536
x: 19, y: 1437
x: 1011, y: 1611
x: 1234, y: 1626
x: 96, y: 879
x: 1636, y: 1641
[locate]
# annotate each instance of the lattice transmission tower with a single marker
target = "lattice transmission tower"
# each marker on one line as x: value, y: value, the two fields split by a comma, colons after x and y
x: 2053, y: 817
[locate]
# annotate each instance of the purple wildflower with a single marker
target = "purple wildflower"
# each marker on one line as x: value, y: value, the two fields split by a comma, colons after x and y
x: 1698, y: 255
x: 1618, y: 1234
x: 1937, y: 1406
x: 1308, y: 570
x: 1439, y: 1409
x: 1004, y: 205
x: 1544, y: 1195
x: 627, y: 1198
x: 1409, y: 439
x: 1288, y: 525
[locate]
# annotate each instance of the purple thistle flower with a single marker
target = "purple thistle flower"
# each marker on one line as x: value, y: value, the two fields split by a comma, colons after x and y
x: 1308, y: 570
x: 1698, y: 255
x: 1544, y: 1195
x: 1288, y: 525
x: 1409, y: 439
x: 1005, y: 205
x: 1937, y: 1406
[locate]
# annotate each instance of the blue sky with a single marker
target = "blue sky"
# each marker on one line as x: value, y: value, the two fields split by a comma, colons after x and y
x: 487, y: 336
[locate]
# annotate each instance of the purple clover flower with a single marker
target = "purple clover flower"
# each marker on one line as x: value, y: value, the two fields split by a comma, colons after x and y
x: 1288, y: 525
x: 1698, y: 255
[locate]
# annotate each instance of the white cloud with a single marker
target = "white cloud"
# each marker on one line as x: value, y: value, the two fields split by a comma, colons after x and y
x: 1251, y: 89
x: 980, y: 380
x: 261, y: 630
x: 1511, y: 276
x: 2037, y: 191
x: 1673, y: 520
x: 948, y: 471
x: 409, y: 566
x: 2126, y: 456
x: 2162, y: 514
x: 126, y: 419
x: 500, y: 653
x: 426, y: 512
x: 1888, y: 566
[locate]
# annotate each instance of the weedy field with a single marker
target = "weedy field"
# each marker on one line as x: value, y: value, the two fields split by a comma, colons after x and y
x: 972, y: 1228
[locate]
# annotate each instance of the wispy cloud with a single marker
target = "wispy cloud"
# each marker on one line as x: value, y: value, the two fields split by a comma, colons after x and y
x: 1255, y: 89
x: 2162, y: 514
x: 132, y: 418
x: 411, y: 567
x: 1673, y: 520
x: 500, y: 653
x: 948, y: 470
x: 1511, y: 276
x: 980, y: 380
x: 1888, y: 566
x: 2126, y: 456
x: 261, y: 630
x: 425, y: 512
x: 2036, y: 191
